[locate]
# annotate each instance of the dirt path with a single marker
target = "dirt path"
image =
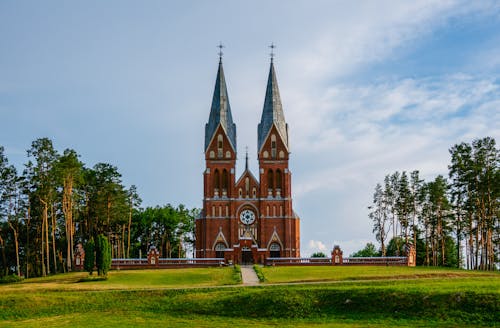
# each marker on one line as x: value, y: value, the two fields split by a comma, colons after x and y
x: 248, y: 276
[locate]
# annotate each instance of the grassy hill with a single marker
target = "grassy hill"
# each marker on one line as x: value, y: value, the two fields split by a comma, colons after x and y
x: 353, y: 297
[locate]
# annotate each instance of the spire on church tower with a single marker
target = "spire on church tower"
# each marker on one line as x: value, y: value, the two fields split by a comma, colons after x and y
x: 220, y: 112
x: 272, y: 112
x: 246, y: 159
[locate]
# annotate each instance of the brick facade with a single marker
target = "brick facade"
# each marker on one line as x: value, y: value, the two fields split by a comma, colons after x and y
x: 270, y: 227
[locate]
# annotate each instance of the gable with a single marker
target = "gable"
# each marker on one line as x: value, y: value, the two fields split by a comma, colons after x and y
x: 214, y: 152
x: 266, y: 151
x: 247, y: 178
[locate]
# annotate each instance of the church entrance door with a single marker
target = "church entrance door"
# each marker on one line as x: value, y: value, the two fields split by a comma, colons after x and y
x: 246, y: 257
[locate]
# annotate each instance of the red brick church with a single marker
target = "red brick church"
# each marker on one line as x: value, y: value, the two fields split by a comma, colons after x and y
x: 250, y: 218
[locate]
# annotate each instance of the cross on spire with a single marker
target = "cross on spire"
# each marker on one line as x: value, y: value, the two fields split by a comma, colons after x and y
x: 272, y: 46
x: 220, y: 46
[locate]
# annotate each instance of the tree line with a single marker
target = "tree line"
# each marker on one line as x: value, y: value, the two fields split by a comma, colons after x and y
x: 452, y: 221
x: 56, y: 202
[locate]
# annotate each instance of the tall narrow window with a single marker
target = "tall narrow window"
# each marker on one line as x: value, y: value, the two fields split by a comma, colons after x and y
x: 279, y: 180
x: 273, y: 146
x: 219, y: 145
x: 224, y: 182
x: 216, y: 182
x: 247, y: 186
x: 270, y: 179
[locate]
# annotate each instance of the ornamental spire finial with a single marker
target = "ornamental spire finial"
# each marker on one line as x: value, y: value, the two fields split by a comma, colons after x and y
x: 220, y: 46
x: 272, y: 46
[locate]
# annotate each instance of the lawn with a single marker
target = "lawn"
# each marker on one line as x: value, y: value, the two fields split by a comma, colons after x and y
x: 131, y: 279
x: 151, y: 298
x: 292, y: 274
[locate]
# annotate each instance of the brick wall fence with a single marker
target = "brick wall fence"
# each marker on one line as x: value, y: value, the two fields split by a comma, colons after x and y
x: 153, y: 261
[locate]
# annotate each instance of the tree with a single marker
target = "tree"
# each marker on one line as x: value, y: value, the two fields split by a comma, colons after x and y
x: 318, y: 254
x: 69, y: 174
x: 134, y: 202
x: 12, y: 202
x: 379, y: 216
x: 103, y: 256
x: 42, y: 194
x: 89, y: 261
x: 396, y: 247
x: 368, y: 251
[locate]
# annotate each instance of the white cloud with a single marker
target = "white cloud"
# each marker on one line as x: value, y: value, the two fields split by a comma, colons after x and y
x: 314, y: 246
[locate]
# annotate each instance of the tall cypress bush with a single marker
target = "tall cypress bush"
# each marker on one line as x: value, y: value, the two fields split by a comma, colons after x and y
x: 103, y: 256
x: 88, y: 263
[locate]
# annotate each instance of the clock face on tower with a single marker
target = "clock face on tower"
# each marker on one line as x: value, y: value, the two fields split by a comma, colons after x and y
x: 247, y: 217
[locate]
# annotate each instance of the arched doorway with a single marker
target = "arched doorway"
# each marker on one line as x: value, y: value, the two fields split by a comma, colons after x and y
x: 246, y: 256
x: 275, y: 250
x: 219, y: 250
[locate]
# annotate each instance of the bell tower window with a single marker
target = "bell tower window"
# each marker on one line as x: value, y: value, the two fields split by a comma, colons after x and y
x: 270, y: 181
x: 273, y: 146
x: 224, y: 182
x: 216, y: 183
x: 278, y: 182
x: 219, y: 146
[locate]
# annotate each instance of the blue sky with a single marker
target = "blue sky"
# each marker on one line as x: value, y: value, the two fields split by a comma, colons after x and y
x: 367, y: 88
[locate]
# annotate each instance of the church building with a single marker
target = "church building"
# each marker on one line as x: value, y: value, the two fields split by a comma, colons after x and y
x: 249, y: 218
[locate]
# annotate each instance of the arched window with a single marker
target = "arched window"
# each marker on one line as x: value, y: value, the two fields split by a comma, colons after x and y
x: 216, y: 182
x: 247, y: 186
x: 254, y: 192
x: 228, y: 154
x: 275, y: 250
x: 270, y: 179
x: 219, y: 250
x: 265, y: 154
x: 282, y: 154
x: 219, y: 145
x: 240, y: 192
x: 273, y: 146
x: 211, y: 154
x: 279, y: 180
x: 224, y: 180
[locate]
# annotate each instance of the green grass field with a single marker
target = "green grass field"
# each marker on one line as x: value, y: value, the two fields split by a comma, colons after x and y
x: 354, y: 297
x: 341, y: 273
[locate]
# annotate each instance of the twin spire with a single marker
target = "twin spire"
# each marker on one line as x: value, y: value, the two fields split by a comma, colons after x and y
x: 220, y: 112
x: 272, y: 113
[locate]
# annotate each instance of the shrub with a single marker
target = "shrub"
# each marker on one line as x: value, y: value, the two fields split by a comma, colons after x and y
x: 258, y: 271
x: 103, y: 256
x: 89, y: 260
x: 237, y: 274
x: 10, y: 279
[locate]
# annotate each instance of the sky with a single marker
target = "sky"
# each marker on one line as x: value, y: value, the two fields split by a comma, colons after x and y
x: 368, y: 88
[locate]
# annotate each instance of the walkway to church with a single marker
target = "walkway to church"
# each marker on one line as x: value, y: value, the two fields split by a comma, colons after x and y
x: 248, y: 275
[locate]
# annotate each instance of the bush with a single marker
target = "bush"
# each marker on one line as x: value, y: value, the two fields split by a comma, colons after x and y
x: 89, y: 260
x: 319, y: 254
x: 10, y: 279
x: 258, y: 271
x: 103, y: 256
x: 237, y: 274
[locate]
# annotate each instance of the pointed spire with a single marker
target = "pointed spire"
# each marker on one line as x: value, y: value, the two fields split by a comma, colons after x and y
x: 273, y: 110
x: 246, y: 159
x: 220, y: 112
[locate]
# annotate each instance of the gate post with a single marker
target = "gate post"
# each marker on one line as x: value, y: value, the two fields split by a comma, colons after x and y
x: 337, y: 256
